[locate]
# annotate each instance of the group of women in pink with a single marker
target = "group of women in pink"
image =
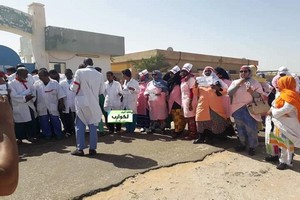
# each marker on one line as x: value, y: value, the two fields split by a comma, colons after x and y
x: 204, y: 108
x: 208, y: 103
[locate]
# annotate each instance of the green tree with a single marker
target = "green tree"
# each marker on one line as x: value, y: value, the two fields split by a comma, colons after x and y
x: 154, y: 62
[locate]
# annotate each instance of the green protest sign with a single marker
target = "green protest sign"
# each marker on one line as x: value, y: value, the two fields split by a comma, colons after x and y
x: 120, y: 116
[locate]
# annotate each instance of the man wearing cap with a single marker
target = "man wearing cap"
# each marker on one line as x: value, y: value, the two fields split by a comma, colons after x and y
x: 88, y: 85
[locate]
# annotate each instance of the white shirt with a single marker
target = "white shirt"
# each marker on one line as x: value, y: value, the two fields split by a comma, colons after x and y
x: 88, y: 85
x: 69, y: 99
x: 48, y: 96
x: 21, y: 112
x: 35, y: 78
x: 130, y: 97
x: 112, y: 98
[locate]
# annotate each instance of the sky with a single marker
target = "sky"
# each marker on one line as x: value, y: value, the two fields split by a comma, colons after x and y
x: 263, y: 30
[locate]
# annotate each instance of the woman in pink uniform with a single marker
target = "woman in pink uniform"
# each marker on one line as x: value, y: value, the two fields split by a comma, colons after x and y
x: 143, y: 120
x: 188, y: 99
x: 157, y: 91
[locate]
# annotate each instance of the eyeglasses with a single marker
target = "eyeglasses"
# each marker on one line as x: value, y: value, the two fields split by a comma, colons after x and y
x: 154, y: 74
x: 281, y: 75
x: 242, y: 71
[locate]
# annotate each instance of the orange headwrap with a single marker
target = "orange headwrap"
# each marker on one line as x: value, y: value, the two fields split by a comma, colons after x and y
x: 287, y: 89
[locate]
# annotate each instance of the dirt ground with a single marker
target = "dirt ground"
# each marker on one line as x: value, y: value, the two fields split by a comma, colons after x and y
x: 225, y: 175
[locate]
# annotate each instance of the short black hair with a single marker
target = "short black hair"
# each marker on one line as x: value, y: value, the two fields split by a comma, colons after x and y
x: 68, y: 70
x: 43, y: 72
x: 110, y: 73
x: 88, y: 61
x: 127, y: 73
x: 11, y: 69
x: 81, y: 66
x: 35, y: 71
x: 98, y: 69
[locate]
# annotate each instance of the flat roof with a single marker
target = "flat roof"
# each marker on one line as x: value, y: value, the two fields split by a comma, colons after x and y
x: 70, y: 40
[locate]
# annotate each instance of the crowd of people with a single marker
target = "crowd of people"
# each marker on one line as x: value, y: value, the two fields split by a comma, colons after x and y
x: 211, y: 105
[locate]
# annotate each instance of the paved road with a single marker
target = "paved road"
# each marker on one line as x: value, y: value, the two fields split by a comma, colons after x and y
x: 48, y: 171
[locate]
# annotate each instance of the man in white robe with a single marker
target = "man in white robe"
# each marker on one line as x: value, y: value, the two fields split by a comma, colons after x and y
x: 112, y: 99
x: 130, y: 93
x: 13, y: 76
x: 68, y: 115
x: 88, y: 85
x: 49, y: 101
x: 22, y: 98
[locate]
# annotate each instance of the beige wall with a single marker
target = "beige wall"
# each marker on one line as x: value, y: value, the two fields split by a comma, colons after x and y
x: 199, y: 61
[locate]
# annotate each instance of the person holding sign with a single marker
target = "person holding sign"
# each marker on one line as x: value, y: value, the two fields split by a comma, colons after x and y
x: 112, y: 93
x: 130, y: 93
x: 156, y: 92
x: 210, y: 114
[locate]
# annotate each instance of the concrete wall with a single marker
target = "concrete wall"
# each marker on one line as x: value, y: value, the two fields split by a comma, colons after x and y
x: 199, y: 61
x: 62, y: 39
x: 72, y: 61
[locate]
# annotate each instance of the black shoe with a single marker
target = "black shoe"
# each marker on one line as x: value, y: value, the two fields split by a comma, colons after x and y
x: 176, y: 135
x: 271, y: 158
x: 77, y: 153
x: 209, y: 140
x: 240, y: 148
x: 92, y: 152
x: 201, y: 138
x: 281, y: 166
x: 251, y: 152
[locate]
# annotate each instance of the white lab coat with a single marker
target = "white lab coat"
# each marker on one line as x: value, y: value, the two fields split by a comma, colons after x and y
x: 35, y: 78
x: 21, y: 112
x: 88, y: 85
x: 112, y: 98
x: 69, y: 99
x: 130, y: 97
x: 48, y: 96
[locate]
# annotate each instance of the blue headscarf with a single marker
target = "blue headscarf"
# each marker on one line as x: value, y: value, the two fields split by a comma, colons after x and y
x: 160, y: 83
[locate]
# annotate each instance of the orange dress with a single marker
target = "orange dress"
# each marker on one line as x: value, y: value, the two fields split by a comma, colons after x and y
x: 207, y: 99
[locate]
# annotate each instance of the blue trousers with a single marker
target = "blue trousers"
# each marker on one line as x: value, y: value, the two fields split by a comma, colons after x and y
x: 80, y: 135
x: 50, y: 123
x: 246, y: 127
x: 130, y: 127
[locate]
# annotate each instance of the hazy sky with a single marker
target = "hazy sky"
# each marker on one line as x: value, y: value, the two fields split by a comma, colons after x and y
x: 264, y: 30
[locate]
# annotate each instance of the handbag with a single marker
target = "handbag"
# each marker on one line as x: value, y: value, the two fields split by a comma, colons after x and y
x: 258, y: 107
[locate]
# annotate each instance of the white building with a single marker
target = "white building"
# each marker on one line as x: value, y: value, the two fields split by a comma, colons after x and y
x: 54, y: 47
